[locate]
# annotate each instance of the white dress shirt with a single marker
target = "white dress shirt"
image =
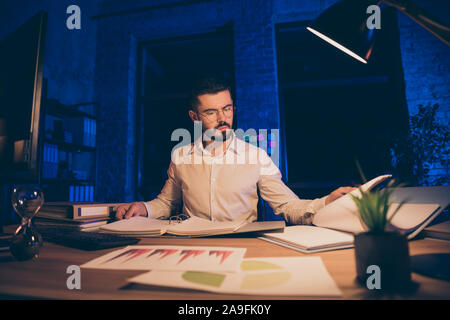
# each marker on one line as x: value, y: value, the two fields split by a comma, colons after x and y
x: 224, y: 187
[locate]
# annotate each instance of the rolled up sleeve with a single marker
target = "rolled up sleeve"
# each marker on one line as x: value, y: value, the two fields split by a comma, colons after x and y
x: 283, y: 200
x: 169, y: 200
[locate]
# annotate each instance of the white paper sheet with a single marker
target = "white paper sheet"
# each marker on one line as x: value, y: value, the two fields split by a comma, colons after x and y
x: 283, y: 276
x: 178, y: 258
x: 197, y: 226
x: 137, y: 225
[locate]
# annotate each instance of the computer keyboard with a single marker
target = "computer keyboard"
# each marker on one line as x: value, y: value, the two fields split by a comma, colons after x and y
x: 83, y: 239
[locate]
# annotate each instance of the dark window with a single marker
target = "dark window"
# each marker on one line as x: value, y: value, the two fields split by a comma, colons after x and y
x: 167, y: 69
x: 337, y: 109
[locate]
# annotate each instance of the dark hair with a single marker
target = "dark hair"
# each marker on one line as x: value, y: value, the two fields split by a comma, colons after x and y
x: 206, y: 85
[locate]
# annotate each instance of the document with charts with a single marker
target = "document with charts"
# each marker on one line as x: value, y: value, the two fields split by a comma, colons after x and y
x: 275, y: 276
x: 170, y: 258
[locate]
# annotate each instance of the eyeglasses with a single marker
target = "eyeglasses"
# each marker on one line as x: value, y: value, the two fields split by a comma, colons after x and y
x: 178, y: 218
x: 213, y: 115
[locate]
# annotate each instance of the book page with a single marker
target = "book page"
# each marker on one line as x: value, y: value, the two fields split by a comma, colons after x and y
x: 199, y: 226
x: 136, y: 225
x: 342, y: 214
x: 411, y: 215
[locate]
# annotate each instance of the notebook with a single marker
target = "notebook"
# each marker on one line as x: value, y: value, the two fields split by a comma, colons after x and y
x: 308, y: 239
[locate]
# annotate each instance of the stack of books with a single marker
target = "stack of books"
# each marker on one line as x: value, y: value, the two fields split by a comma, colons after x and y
x: 87, y: 216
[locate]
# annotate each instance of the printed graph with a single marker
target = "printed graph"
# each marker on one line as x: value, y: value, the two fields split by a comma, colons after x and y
x: 162, y: 253
x: 281, y: 276
x: 171, y: 258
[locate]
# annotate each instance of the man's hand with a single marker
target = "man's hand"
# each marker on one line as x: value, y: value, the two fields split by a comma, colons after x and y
x: 128, y: 210
x: 336, y: 194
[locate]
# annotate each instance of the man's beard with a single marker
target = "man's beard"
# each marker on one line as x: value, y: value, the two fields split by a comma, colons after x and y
x: 217, y: 135
x: 226, y: 134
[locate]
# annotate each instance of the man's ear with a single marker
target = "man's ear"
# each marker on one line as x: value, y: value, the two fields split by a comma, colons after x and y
x: 193, y: 115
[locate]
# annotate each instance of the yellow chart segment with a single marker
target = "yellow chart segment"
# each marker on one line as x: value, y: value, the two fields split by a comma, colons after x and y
x: 249, y: 281
x: 259, y: 281
x: 205, y: 278
x: 252, y: 265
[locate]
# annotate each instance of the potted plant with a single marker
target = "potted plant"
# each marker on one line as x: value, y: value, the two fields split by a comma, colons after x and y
x: 380, y: 248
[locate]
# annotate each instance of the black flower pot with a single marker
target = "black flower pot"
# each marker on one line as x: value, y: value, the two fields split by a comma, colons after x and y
x: 390, y: 253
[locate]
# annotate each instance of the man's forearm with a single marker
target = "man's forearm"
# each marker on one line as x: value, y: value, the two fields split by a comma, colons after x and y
x: 158, y: 208
x: 300, y: 211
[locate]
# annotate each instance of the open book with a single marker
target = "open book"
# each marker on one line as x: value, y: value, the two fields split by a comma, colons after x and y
x: 193, y: 227
x: 336, y: 223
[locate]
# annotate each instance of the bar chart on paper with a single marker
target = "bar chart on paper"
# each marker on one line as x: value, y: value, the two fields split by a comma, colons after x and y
x: 170, y: 258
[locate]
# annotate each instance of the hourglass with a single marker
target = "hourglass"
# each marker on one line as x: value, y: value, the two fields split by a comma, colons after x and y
x: 26, y: 242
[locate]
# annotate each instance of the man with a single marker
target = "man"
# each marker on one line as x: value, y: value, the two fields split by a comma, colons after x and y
x: 217, y: 176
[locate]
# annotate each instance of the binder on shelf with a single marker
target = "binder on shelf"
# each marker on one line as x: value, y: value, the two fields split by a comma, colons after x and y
x: 82, y: 130
x: 71, y: 193
x: 81, y: 194
x: 50, y: 163
x: 85, y: 193
x: 94, y: 142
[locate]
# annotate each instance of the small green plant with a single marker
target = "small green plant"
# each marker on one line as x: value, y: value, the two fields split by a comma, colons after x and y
x: 373, y: 206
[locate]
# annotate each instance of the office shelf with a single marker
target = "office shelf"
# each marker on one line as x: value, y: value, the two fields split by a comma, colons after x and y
x: 69, y: 154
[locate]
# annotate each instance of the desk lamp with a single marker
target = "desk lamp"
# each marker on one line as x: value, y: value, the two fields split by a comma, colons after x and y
x: 344, y: 25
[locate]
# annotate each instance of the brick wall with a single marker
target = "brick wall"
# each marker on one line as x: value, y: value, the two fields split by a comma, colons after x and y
x: 426, y: 68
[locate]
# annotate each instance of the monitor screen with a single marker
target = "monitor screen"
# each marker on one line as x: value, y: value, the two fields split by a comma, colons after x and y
x: 21, y: 64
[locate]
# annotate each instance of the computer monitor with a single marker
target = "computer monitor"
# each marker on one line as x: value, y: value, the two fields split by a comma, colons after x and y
x: 21, y: 72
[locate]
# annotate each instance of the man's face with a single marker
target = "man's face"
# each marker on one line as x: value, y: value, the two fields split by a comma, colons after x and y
x: 215, y: 111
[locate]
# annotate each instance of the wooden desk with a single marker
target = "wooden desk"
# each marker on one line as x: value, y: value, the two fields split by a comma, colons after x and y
x: 46, y: 276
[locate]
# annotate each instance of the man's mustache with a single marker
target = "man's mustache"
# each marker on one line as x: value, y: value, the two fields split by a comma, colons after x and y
x: 222, y: 124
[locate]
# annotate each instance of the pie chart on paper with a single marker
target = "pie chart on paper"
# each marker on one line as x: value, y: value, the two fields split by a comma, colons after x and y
x: 263, y: 280
x: 249, y: 281
x: 266, y: 280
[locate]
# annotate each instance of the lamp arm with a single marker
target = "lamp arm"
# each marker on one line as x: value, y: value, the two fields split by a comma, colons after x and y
x: 423, y: 18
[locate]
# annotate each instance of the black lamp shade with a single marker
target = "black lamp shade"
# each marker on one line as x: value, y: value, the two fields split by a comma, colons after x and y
x: 344, y: 25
